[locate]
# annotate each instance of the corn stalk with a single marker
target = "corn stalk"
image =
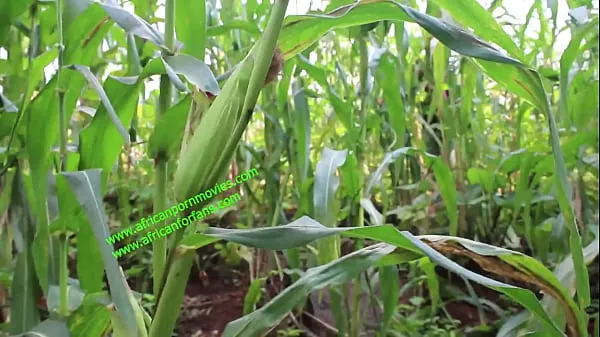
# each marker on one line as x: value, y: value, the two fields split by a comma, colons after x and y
x: 159, y: 246
x: 208, y: 153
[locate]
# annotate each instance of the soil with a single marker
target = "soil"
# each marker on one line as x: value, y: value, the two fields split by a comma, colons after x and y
x: 211, y: 301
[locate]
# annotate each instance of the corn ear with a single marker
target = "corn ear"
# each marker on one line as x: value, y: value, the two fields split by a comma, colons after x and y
x: 205, y: 157
x: 200, y: 104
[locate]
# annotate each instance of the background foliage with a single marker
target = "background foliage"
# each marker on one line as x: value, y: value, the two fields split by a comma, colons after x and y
x: 427, y: 168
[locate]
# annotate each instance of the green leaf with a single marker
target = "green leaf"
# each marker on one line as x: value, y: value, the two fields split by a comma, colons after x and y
x: 74, y: 297
x: 100, y: 143
x: 301, y: 130
x: 191, y: 26
x: 88, y: 258
x: 132, y: 23
x: 511, y: 326
x: 300, y: 32
x: 387, y: 77
x: 482, y: 177
x: 326, y: 185
x: 305, y: 230
x: 182, y: 65
x: 565, y: 273
x: 48, y: 328
x: 173, y: 77
x: 231, y: 25
x: 9, y: 12
x: 84, y: 36
x: 447, y: 186
x: 92, y: 318
x: 195, y: 71
x: 335, y: 273
x: 24, y: 289
x: 253, y: 295
x: 390, y: 294
x: 7, y: 125
x: 351, y: 180
x: 168, y: 132
x: 443, y: 175
x: 24, y: 298
x: 93, y: 81
x: 42, y: 133
x: 471, y: 14
x: 73, y: 219
x: 376, y: 217
x: 441, y: 57
x: 325, y: 204
x: 512, y: 161
x: 433, y: 283
x: 36, y: 72
x: 297, y: 233
x: 86, y: 186
x: 533, y: 270
x: 7, y: 105
x: 72, y: 9
x: 81, y: 42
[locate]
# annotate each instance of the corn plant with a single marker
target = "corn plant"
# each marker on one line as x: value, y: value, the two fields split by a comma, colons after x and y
x: 423, y: 133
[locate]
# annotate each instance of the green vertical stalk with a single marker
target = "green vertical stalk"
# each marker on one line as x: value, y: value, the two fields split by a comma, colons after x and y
x: 170, y: 24
x: 64, y: 276
x: 200, y: 52
x: 122, y: 195
x: 133, y: 69
x: 167, y: 310
x: 355, y: 322
x: 62, y: 121
x: 272, y: 184
x: 177, y: 272
x: 62, y: 125
x: 364, y: 71
x: 159, y: 246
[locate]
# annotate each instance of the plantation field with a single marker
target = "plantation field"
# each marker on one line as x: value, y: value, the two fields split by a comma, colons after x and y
x: 381, y: 168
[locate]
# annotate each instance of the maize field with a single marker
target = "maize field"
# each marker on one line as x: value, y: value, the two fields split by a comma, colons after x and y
x: 247, y: 168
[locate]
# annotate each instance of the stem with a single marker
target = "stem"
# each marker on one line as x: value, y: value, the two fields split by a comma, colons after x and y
x: 63, y: 241
x: 201, y: 42
x: 170, y: 25
x: 61, y: 94
x: 133, y: 68
x: 168, y: 307
x: 159, y: 246
x: 64, y: 276
x: 355, y: 322
x: 170, y: 298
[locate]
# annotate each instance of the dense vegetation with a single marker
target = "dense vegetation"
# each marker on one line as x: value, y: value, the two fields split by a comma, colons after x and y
x: 425, y: 168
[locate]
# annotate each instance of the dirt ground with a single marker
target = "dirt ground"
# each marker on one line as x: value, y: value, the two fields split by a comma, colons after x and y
x: 213, y: 300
